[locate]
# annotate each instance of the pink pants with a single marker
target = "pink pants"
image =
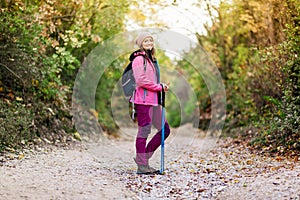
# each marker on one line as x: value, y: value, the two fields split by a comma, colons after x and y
x: 146, y: 117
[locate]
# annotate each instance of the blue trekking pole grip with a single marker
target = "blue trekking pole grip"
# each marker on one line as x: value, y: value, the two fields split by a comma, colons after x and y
x: 162, y: 163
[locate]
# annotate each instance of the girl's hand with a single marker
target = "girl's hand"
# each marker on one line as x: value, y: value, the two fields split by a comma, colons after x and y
x: 166, y: 87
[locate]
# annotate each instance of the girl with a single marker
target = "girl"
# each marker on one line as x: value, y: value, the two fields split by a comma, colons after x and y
x: 147, y: 101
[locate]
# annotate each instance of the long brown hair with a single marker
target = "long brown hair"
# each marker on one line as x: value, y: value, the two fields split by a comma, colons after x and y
x: 153, y: 51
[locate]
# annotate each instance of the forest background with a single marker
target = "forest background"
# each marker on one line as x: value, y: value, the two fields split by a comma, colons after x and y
x: 254, y: 44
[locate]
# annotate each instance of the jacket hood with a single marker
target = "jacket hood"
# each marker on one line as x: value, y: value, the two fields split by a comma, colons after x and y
x: 135, y: 54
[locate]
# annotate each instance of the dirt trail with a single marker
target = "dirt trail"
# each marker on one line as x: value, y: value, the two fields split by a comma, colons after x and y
x: 106, y: 171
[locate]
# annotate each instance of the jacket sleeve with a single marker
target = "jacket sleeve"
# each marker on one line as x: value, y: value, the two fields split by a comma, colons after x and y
x: 141, y: 78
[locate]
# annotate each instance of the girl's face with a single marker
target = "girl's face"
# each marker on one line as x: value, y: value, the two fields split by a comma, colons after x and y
x: 148, y: 43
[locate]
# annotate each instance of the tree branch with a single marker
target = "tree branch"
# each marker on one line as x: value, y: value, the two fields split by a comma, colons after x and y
x: 13, y: 73
x: 59, y: 17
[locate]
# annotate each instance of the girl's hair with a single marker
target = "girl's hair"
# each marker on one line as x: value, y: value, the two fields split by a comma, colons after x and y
x: 153, y: 51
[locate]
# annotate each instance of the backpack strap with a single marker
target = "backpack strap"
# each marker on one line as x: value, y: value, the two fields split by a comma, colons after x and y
x: 145, y: 63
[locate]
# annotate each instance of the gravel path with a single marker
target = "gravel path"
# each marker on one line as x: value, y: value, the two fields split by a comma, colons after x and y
x: 194, y: 170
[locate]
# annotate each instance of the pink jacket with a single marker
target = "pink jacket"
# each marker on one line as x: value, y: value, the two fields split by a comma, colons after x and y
x: 146, y: 81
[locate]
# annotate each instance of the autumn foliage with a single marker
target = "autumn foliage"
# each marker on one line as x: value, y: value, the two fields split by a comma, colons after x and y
x: 255, y: 45
x: 42, y: 46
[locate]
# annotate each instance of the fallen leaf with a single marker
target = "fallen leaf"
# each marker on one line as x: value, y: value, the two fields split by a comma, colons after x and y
x: 249, y: 162
x: 77, y: 136
x: 276, y: 183
x: 21, y: 156
x: 11, y: 95
x: 201, y: 190
x: 19, y: 99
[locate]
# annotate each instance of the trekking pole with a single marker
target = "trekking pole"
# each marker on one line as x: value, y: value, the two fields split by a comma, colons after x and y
x: 162, y: 156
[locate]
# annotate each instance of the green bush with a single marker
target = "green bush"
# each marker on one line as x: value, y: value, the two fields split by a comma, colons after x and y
x: 33, y: 95
x: 281, y: 119
x: 16, y: 124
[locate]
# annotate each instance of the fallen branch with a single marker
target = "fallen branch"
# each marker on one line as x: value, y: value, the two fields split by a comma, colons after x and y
x: 13, y: 73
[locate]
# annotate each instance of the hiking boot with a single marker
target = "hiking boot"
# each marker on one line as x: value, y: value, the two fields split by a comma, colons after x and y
x: 147, y: 168
x: 154, y: 171
x: 144, y: 169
